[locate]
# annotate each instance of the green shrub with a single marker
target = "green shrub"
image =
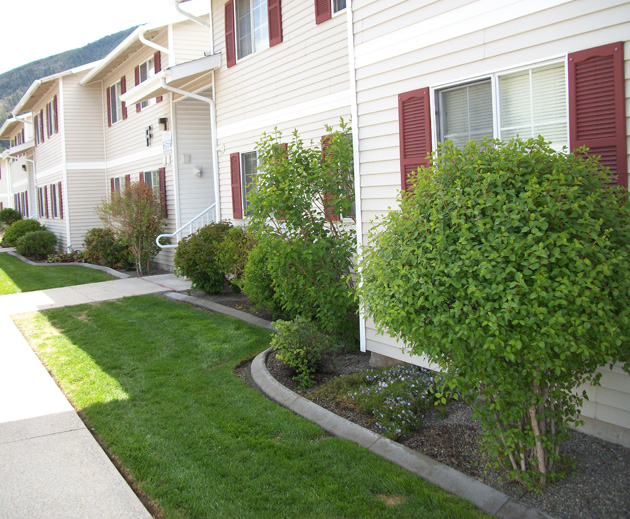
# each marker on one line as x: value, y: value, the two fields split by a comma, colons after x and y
x: 18, y: 229
x: 8, y: 216
x: 507, y: 265
x: 197, y: 257
x: 258, y: 283
x: 299, y: 344
x: 301, y: 191
x: 103, y: 247
x: 232, y: 255
x: 38, y: 244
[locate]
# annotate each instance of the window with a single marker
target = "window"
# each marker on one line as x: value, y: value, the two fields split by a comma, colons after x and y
x: 249, y: 165
x: 152, y: 179
x: 41, y: 202
x: 251, y: 26
x: 38, y: 123
x: 54, y: 202
x: 51, y: 117
x: 146, y: 70
x: 114, y: 104
x: 525, y: 103
x: 156, y: 180
x: 339, y: 5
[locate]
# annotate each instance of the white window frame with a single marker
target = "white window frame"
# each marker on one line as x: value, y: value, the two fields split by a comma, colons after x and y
x: 38, y: 129
x: 262, y: 4
x: 41, y: 198
x: 115, y: 104
x: 148, y: 67
x: 244, y: 156
x: 119, y: 184
x: 50, y: 118
x: 337, y: 7
x: 54, y: 201
x: 494, y: 79
x: 152, y: 179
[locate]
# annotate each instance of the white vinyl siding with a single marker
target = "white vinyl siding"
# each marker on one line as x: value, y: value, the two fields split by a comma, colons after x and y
x: 404, y: 47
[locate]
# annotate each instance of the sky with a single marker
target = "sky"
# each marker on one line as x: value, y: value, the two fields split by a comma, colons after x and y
x: 35, y: 29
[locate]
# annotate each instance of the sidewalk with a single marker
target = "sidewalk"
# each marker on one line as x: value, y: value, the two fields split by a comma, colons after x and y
x: 50, y: 465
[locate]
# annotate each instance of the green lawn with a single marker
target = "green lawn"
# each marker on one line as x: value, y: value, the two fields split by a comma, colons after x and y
x: 155, y: 380
x: 17, y: 276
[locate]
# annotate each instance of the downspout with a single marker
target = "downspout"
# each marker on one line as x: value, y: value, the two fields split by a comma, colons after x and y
x: 354, y: 110
x: 215, y: 162
x: 194, y: 18
x: 64, y: 159
x: 151, y: 44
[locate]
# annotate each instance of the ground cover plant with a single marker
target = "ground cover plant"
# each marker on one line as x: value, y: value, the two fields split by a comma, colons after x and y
x: 507, y: 265
x: 17, y: 276
x: 302, y: 191
x: 396, y: 397
x: 163, y: 397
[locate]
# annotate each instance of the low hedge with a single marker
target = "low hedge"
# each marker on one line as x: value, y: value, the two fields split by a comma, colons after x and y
x: 38, y: 244
x: 18, y: 229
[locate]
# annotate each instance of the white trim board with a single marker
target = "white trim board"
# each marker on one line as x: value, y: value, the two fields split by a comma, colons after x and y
x: 290, y: 113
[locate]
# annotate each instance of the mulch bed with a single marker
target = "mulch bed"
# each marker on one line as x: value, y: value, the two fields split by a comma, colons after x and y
x: 599, y: 488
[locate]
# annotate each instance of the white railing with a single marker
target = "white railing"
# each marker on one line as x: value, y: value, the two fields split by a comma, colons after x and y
x: 204, y: 218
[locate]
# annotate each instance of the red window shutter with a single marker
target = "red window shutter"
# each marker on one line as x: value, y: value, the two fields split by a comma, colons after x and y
x: 235, y: 173
x: 141, y: 177
x: 109, y: 106
x: 274, y: 16
x: 597, y: 116
x: 60, y: 200
x: 414, y: 119
x: 41, y: 123
x: 23, y: 136
x: 157, y: 67
x: 323, y: 11
x: 35, y: 125
x: 39, y: 203
x: 127, y: 181
x: 111, y: 182
x: 162, y: 174
x: 328, y: 212
x: 56, y: 114
x: 26, y: 203
x: 123, y: 89
x: 230, y: 35
x: 46, y: 199
x: 136, y: 72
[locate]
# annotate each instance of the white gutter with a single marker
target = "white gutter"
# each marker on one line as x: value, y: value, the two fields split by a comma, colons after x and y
x: 213, y: 129
x: 150, y: 43
x: 194, y: 18
x: 354, y: 111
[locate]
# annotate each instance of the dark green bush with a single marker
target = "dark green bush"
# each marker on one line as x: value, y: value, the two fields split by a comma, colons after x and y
x: 232, y: 255
x: 8, y: 216
x: 18, y: 229
x: 300, y: 344
x: 103, y: 247
x: 197, y: 257
x: 258, y: 283
x: 38, y: 244
x: 507, y: 265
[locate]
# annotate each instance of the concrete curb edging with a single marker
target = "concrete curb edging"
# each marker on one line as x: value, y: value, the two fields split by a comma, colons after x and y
x: 483, y: 496
x: 115, y: 273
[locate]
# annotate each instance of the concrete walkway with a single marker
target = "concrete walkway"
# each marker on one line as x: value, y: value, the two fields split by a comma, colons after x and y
x: 50, y: 465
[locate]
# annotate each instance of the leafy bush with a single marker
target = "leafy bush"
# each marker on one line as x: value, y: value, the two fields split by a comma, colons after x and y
x: 136, y: 217
x: 507, y: 264
x: 257, y: 281
x: 232, y: 255
x: 299, y: 344
x: 103, y: 247
x: 197, y: 257
x: 74, y: 256
x: 18, y: 229
x: 300, y: 192
x: 38, y: 244
x: 8, y: 216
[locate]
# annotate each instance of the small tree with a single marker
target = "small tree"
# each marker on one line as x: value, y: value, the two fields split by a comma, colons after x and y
x: 508, y: 266
x: 300, y: 195
x: 136, y: 217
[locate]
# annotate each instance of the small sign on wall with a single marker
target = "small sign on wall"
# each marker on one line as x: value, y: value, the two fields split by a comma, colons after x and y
x: 167, y: 142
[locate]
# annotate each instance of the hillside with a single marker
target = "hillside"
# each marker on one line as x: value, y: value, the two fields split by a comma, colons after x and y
x: 15, y: 82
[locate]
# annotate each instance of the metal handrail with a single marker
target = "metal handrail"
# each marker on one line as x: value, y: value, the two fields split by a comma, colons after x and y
x: 196, y: 223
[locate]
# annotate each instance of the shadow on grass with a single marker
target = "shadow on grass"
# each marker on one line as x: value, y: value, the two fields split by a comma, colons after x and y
x: 154, y: 379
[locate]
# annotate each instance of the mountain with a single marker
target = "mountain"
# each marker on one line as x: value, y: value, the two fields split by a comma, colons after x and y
x: 15, y: 82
